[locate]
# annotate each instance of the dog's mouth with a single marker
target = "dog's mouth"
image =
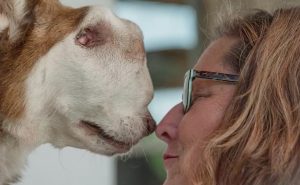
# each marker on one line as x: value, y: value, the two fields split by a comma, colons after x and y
x: 94, y: 129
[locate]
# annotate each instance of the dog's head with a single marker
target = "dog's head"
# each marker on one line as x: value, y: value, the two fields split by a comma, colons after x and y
x: 72, y: 77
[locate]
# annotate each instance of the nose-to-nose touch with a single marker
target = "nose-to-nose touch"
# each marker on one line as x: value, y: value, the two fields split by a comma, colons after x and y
x: 151, y: 124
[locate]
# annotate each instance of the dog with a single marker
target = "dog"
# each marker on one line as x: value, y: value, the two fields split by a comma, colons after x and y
x: 69, y: 77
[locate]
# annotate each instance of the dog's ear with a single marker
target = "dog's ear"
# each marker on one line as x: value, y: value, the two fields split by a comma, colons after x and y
x: 94, y: 35
x: 15, y: 16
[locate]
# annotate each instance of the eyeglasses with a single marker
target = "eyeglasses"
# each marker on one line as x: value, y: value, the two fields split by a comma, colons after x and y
x: 191, y: 74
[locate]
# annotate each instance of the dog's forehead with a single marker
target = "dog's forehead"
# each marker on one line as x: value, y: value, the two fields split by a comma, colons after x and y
x: 38, y: 25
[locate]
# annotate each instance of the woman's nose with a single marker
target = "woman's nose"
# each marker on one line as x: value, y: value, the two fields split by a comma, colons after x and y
x: 167, y: 128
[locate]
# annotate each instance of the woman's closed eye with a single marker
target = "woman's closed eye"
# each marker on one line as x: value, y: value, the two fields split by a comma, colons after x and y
x: 199, y: 96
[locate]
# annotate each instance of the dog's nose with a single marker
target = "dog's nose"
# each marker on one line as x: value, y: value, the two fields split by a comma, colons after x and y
x: 151, y: 124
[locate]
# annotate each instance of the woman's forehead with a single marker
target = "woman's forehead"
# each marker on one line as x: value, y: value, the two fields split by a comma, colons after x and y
x: 213, y: 57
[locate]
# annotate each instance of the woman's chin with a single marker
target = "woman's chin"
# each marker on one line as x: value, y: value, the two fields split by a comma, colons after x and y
x: 175, y: 180
x: 174, y: 175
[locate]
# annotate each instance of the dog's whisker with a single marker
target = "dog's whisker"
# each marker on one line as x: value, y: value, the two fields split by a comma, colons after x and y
x: 60, y: 160
x: 143, y: 152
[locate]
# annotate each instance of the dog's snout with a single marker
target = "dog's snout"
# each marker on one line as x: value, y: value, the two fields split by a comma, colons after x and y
x: 151, y: 124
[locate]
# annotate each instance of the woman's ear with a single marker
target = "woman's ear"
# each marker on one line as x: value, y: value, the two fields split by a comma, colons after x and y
x: 15, y: 16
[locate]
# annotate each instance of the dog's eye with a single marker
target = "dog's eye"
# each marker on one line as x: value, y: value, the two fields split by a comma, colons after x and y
x: 95, y: 35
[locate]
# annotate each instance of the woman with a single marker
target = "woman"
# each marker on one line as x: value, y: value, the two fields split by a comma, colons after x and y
x: 239, y: 122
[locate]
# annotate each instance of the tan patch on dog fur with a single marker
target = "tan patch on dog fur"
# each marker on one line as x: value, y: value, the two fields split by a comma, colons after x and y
x: 136, y: 49
x: 47, y: 24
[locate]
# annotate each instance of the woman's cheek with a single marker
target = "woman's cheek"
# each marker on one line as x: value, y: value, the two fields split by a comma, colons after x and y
x: 201, y: 120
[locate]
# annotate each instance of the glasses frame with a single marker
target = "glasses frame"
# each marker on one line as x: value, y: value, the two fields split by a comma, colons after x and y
x: 192, y: 74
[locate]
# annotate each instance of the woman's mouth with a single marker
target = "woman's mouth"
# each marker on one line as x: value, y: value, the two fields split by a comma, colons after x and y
x: 170, y: 160
x: 169, y: 156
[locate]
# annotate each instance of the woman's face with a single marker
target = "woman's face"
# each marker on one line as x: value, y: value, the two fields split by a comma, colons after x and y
x: 209, y: 101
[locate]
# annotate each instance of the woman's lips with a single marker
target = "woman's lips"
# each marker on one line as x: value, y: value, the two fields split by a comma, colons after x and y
x: 169, y: 156
x: 170, y: 160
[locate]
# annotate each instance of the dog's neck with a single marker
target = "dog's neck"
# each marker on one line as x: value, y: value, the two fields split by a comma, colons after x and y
x: 12, y: 157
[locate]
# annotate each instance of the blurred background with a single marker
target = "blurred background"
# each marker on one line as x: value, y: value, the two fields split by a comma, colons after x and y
x: 175, y: 33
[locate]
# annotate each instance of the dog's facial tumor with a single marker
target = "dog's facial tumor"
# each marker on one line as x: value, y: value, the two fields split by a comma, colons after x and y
x: 87, y: 84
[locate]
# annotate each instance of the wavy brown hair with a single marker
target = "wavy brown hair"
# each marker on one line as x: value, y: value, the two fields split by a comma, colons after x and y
x: 258, y: 143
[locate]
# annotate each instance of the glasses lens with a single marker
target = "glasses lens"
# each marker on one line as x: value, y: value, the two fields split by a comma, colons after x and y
x: 186, y: 95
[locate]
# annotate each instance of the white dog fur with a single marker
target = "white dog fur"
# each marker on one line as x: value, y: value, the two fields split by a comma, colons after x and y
x: 69, y: 77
